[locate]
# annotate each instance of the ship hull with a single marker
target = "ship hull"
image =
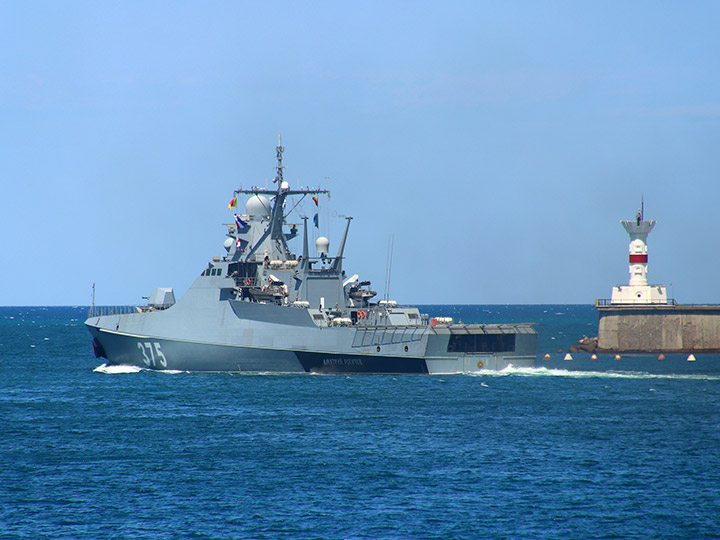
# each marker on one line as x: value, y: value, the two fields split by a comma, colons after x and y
x: 175, y: 354
x: 152, y: 352
x: 200, y: 333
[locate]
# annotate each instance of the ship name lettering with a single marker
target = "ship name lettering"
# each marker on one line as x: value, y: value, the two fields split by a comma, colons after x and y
x: 342, y: 362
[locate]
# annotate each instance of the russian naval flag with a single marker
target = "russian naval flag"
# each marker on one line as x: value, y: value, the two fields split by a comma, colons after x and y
x: 239, y: 222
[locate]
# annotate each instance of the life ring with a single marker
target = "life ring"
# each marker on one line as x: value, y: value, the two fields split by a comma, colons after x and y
x: 480, y: 364
x: 248, y: 282
x: 361, y: 314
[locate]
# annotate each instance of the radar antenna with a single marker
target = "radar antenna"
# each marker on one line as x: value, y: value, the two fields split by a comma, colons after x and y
x: 279, y: 152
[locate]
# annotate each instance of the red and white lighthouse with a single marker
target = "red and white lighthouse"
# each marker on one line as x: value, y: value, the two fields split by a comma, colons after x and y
x: 638, y: 291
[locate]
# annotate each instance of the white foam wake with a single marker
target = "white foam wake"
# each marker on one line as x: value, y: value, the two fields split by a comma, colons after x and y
x: 113, y: 370
x: 549, y: 372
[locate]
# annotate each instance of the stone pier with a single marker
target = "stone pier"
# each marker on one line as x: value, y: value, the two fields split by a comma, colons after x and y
x: 658, y: 327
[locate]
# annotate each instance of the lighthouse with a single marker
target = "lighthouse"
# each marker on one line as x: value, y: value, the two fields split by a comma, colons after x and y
x: 640, y: 318
x: 638, y: 291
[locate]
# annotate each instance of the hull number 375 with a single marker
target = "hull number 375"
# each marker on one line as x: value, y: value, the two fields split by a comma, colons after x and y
x: 152, y: 354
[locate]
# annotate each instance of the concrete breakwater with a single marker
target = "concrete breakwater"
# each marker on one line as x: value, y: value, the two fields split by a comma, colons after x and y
x: 658, y: 328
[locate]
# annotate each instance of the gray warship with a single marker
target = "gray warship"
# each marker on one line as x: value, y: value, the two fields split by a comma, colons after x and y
x: 262, y: 309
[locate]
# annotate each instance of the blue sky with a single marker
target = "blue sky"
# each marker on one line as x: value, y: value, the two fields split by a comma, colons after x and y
x: 498, y: 143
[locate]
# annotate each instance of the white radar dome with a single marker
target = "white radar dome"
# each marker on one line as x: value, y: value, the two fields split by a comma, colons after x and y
x: 227, y: 244
x: 322, y: 244
x: 258, y: 206
x: 284, y: 186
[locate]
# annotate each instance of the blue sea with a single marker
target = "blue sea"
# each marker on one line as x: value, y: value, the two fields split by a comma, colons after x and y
x: 94, y: 452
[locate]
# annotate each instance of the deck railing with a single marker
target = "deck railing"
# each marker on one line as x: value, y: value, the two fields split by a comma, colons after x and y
x: 601, y: 302
x: 101, y: 311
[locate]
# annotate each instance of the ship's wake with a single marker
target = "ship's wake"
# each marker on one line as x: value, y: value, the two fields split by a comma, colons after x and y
x: 507, y: 372
x: 120, y: 369
x: 551, y: 372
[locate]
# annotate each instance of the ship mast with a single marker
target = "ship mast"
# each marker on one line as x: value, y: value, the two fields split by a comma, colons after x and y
x: 274, y: 229
x: 279, y: 152
x: 278, y: 210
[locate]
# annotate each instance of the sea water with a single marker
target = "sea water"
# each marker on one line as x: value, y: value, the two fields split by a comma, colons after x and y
x: 95, y: 452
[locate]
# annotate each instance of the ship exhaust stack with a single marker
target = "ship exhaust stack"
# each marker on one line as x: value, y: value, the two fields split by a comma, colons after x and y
x: 337, y: 264
x: 306, y: 249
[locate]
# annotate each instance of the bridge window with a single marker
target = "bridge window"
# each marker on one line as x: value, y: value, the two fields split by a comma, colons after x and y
x: 470, y: 343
